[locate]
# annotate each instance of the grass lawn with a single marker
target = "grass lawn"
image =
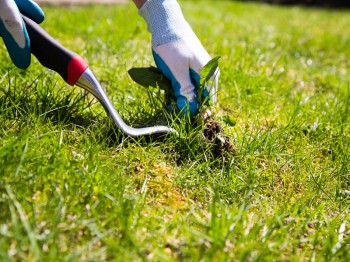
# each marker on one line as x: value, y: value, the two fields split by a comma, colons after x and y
x: 73, y: 187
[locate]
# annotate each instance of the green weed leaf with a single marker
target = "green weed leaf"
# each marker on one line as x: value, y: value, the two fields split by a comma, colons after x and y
x: 154, y: 77
x: 230, y: 120
x: 150, y: 76
x: 209, y: 69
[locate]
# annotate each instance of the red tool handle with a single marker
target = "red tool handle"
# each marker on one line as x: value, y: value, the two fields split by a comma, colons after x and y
x: 53, y: 55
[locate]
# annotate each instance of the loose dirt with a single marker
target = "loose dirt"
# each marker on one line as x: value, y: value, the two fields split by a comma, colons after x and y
x: 213, y: 134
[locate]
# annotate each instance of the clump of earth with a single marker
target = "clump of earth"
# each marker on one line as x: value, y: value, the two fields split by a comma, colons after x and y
x: 214, y: 136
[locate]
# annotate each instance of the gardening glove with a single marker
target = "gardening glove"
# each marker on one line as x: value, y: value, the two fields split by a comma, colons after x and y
x: 13, y: 30
x: 178, y: 53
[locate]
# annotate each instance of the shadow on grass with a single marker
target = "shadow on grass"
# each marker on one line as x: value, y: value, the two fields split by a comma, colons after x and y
x: 48, y: 103
x: 44, y: 101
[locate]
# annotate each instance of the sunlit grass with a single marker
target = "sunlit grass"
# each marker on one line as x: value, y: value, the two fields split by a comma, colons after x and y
x: 73, y: 187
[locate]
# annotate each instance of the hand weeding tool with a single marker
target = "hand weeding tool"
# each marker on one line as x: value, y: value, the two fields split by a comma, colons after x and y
x: 75, y: 71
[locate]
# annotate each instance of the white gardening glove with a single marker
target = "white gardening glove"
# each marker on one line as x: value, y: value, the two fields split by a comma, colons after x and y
x: 13, y: 30
x: 178, y: 52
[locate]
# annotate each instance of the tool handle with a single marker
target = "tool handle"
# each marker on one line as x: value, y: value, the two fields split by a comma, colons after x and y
x: 53, y: 55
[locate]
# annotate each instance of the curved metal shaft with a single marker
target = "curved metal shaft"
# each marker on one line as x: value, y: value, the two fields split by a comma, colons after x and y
x: 89, y: 82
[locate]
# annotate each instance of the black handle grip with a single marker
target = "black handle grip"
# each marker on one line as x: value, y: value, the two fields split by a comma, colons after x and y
x: 53, y: 55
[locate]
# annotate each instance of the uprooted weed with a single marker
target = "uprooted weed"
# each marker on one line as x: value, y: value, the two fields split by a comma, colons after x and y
x: 214, y: 135
x: 207, y: 131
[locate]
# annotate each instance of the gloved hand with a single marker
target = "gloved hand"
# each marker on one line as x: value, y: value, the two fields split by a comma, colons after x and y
x: 178, y: 52
x: 13, y: 31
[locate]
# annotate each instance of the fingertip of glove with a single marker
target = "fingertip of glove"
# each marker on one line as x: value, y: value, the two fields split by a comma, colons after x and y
x: 32, y: 10
x: 193, y: 108
x: 22, y: 60
x: 21, y: 57
x: 38, y: 16
x: 205, y: 94
x: 186, y: 107
x: 23, y: 65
